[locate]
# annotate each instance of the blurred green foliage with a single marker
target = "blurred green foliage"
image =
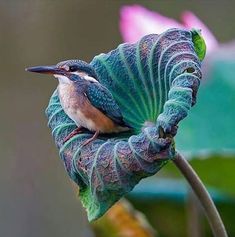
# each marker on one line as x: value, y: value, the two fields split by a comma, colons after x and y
x: 170, y: 217
x: 210, y: 127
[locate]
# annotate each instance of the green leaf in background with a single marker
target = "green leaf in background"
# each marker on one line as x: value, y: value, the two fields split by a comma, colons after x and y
x: 169, y: 197
x: 211, y: 124
x: 215, y: 171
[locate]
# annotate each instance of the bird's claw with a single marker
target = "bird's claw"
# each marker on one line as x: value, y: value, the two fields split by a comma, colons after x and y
x: 90, y: 139
x: 73, y: 133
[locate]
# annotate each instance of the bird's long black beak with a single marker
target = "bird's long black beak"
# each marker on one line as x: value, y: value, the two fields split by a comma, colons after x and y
x: 46, y: 70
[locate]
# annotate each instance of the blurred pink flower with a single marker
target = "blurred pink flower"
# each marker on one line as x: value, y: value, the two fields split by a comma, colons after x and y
x: 137, y: 21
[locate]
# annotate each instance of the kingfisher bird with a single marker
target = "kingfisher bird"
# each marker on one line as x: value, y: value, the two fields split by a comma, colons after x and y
x: 86, y: 101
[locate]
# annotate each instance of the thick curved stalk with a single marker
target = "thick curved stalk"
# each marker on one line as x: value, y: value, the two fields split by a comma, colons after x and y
x: 211, y: 212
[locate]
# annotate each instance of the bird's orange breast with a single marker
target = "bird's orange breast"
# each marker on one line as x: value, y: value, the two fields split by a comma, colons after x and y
x: 83, y: 113
x: 101, y: 122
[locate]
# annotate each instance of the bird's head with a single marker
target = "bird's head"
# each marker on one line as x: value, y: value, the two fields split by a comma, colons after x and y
x: 64, y: 69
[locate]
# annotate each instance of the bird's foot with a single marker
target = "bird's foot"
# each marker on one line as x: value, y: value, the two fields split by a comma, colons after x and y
x: 91, y: 139
x: 73, y: 133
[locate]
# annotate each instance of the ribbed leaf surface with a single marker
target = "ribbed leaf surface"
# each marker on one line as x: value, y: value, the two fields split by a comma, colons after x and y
x: 155, y: 82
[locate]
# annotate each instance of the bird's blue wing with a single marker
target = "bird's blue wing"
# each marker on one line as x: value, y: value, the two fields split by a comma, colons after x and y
x: 101, y: 98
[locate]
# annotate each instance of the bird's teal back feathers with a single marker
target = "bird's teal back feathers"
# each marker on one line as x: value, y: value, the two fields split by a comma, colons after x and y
x: 102, y: 99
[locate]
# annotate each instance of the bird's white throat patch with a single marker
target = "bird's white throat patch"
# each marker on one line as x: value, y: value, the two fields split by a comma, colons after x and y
x: 62, y: 79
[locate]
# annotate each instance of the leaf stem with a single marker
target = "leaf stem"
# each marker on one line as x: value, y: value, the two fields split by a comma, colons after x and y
x: 198, y: 187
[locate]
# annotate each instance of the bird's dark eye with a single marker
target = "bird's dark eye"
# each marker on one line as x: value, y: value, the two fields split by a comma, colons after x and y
x: 72, y: 68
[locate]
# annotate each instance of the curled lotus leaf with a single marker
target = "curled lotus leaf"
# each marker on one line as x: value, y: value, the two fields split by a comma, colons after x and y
x: 155, y: 82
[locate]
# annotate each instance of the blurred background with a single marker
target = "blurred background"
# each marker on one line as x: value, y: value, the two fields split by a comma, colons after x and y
x: 36, y: 197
